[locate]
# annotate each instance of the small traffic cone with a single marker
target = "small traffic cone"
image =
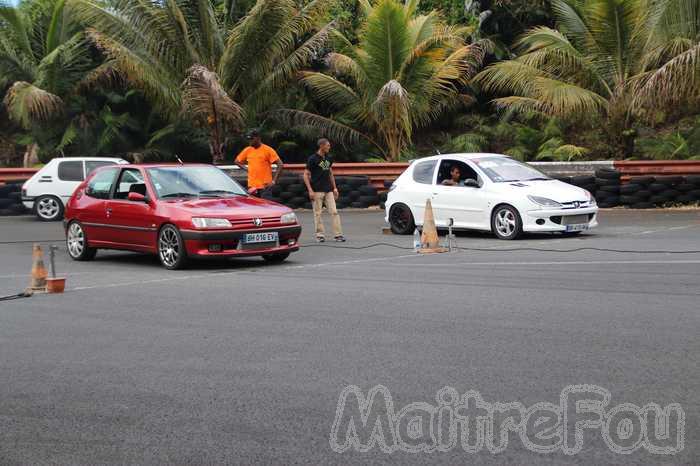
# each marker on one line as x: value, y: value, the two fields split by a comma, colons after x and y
x: 39, y: 272
x: 429, y: 237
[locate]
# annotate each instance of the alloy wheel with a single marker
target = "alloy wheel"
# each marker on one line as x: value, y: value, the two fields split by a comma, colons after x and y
x: 76, y: 240
x: 48, y: 208
x: 169, y: 247
x: 505, y: 222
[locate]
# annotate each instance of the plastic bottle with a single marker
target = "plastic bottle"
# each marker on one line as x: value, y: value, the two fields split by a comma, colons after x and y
x: 416, y: 240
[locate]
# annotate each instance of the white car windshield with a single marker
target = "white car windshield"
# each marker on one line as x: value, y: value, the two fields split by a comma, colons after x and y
x: 505, y: 169
x: 196, y: 181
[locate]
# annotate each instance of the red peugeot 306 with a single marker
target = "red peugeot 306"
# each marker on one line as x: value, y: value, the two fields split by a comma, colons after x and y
x: 177, y: 212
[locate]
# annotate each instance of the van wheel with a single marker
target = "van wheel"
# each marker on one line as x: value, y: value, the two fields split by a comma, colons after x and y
x: 506, y: 222
x: 48, y: 208
x: 401, y: 220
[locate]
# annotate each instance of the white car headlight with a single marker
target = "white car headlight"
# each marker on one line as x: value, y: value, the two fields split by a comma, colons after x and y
x: 291, y: 217
x: 591, y: 199
x: 200, y: 222
x: 543, y: 201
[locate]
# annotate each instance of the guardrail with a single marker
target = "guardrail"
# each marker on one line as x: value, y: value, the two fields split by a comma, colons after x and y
x: 378, y: 173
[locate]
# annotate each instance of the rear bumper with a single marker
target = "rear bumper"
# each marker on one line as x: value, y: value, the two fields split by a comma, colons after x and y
x: 28, y: 202
x: 226, y: 243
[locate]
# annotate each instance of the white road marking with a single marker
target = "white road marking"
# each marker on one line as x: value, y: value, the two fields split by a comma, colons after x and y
x: 593, y: 262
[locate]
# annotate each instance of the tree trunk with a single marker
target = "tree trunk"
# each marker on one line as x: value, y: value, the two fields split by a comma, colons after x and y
x: 31, y: 155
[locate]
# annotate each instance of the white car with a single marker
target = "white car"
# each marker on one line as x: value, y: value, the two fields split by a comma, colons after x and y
x: 47, y: 192
x: 494, y: 193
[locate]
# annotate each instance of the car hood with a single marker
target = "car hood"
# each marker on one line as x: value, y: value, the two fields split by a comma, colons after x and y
x: 232, y: 207
x: 551, y: 189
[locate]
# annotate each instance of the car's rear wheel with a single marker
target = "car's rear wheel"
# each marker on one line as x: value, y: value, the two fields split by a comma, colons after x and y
x: 48, y: 208
x: 276, y: 258
x: 171, y: 248
x: 77, y: 243
x: 401, y: 220
x: 506, y: 222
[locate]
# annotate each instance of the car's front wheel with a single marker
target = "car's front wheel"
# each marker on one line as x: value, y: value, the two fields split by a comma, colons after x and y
x: 171, y: 248
x: 48, y: 208
x: 77, y: 243
x: 506, y: 222
x: 401, y: 220
x: 276, y: 258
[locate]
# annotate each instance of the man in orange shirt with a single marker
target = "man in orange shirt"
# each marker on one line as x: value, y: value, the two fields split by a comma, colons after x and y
x: 259, y: 158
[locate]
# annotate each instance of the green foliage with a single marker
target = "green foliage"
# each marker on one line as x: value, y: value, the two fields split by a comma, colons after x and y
x: 680, y: 144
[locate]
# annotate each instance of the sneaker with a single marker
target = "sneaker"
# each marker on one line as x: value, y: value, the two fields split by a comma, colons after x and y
x: 340, y: 239
x: 320, y: 239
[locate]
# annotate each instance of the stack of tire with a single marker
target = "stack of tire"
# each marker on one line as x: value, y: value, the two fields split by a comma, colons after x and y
x: 290, y: 190
x: 647, y: 192
x: 11, y: 199
x: 604, y: 185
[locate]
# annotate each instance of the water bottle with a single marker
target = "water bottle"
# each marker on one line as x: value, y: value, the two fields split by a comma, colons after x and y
x: 416, y: 240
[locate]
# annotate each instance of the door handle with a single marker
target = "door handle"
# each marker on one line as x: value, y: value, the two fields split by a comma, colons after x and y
x: 108, y: 211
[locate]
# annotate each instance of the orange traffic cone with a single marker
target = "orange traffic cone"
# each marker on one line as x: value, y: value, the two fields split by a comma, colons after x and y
x: 39, y: 272
x: 429, y: 237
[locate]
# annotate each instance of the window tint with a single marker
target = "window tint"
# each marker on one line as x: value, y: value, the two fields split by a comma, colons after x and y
x: 423, y: 173
x: 129, y: 177
x: 94, y: 165
x: 70, y: 171
x: 100, y: 185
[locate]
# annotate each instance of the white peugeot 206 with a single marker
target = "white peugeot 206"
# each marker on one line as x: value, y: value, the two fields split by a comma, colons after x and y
x: 487, y: 192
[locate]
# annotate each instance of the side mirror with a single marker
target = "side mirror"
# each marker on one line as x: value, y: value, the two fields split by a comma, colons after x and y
x: 136, y: 197
x: 471, y: 183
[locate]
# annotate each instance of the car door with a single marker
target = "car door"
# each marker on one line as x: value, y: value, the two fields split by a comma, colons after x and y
x: 69, y: 175
x: 465, y: 205
x: 421, y: 189
x: 131, y: 221
x: 90, y: 207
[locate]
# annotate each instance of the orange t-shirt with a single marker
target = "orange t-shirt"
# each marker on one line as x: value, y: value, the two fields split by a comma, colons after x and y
x: 260, y: 162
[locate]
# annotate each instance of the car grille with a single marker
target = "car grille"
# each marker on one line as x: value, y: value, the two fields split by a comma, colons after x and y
x: 571, y: 219
x: 575, y: 205
x: 250, y: 222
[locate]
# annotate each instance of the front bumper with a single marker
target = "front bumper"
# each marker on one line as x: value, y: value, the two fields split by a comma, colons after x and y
x: 227, y: 243
x: 546, y: 220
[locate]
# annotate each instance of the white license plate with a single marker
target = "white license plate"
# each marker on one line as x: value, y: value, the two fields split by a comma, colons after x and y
x: 577, y: 227
x: 270, y: 237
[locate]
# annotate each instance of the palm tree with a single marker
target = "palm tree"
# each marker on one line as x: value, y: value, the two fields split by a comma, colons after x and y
x: 407, y: 70
x: 190, y: 60
x: 610, y: 60
x: 45, y: 59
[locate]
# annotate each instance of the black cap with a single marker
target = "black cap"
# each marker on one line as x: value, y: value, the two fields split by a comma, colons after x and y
x: 253, y: 133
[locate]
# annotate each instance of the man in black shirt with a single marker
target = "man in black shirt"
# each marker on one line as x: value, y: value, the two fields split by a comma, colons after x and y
x: 320, y: 183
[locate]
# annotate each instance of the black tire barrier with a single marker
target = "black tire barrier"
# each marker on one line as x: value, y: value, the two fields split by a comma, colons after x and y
x: 695, y: 194
x: 642, y: 205
x: 368, y: 190
x: 686, y: 199
x: 603, y: 182
x: 670, y: 180
x: 642, y: 180
x: 357, y: 205
x: 5, y: 190
x: 369, y: 200
x: 608, y: 173
x: 685, y: 187
x: 388, y: 183
x: 693, y: 179
x: 565, y: 179
x: 17, y: 196
x: 644, y: 194
x: 583, y: 180
x: 629, y: 188
x: 628, y: 199
x: 658, y: 187
x: 609, y: 189
x: 6, y: 203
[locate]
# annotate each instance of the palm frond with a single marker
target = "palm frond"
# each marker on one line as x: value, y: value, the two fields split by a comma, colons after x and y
x: 205, y: 99
x: 27, y: 104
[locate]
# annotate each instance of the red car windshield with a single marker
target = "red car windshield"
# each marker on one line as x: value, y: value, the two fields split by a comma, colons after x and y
x: 174, y: 182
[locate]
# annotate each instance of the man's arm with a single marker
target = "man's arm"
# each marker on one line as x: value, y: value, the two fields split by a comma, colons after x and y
x: 307, y: 182
x: 240, y: 159
x: 335, y: 188
x: 280, y: 169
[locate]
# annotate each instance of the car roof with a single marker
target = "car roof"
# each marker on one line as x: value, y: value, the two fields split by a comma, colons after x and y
x: 89, y: 159
x: 461, y: 156
x: 166, y: 165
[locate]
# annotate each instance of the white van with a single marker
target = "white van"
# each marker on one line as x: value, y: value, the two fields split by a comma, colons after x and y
x: 47, y: 192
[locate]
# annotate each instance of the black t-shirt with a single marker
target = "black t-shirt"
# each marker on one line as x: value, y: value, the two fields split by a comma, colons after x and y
x: 320, y: 169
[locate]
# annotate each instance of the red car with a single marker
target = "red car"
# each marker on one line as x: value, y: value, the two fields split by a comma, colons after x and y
x: 177, y: 212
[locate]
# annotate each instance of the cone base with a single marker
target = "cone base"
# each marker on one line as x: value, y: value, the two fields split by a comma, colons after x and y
x: 432, y: 250
x: 55, y: 285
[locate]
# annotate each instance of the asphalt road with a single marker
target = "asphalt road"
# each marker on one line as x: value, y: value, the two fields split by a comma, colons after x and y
x: 243, y: 362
